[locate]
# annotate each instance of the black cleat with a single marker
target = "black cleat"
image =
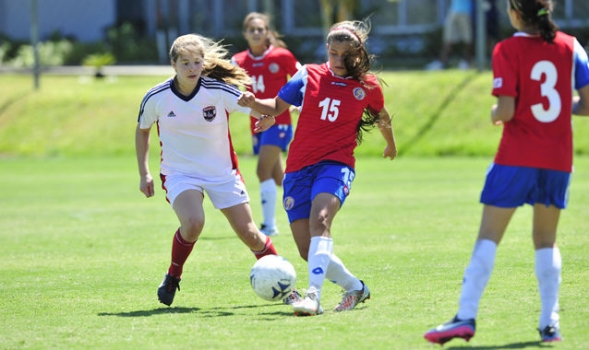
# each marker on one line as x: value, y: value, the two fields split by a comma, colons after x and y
x: 167, y: 290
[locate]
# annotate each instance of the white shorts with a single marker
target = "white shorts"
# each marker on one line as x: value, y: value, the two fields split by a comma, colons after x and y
x: 457, y: 28
x: 223, y: 194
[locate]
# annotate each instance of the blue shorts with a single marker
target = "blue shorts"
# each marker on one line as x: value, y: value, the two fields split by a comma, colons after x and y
x: 301, y: 187
x: 278, y: 135
x: 513, y: 186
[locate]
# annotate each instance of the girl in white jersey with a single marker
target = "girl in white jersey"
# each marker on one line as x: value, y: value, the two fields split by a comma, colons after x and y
x: 191, y: 111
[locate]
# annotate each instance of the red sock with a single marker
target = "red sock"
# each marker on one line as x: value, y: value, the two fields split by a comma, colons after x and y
x: 180, y: 252
x: 268, y: 249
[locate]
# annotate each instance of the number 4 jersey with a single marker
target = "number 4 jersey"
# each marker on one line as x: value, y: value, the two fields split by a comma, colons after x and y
x: 269, y: 72
x: 332, y: 108
x: 541, y: 77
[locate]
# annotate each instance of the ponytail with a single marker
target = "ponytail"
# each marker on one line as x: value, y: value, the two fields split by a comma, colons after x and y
x: 537, y: 13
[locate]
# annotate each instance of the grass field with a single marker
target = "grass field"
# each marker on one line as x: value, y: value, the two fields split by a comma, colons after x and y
x: 435, y: 113
x: 82, y: 251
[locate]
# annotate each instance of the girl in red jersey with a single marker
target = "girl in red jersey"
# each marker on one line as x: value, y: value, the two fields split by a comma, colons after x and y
x: 269, y: 65
x: 339, y: 100
x: 191, y: 111
x: 535, y: 72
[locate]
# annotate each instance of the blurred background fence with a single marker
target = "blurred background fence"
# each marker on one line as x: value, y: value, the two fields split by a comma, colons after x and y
x: 405, y: 33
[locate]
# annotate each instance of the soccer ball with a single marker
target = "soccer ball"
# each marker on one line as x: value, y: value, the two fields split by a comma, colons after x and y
x: 273, y: 278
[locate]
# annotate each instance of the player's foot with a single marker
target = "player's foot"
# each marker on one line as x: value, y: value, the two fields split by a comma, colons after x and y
x: 309, y: 306
x: 292, y: 298
x: 353, y: 298
x: 456, y: 328
x: 269, y: 231
x: 549, y: 334
x: 167, y: 290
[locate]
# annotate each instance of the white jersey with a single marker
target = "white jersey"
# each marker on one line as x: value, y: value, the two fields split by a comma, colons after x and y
x: 194, y: 130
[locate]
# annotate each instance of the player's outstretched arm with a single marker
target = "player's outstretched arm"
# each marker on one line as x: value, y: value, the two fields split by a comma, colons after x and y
x: 271, y: 106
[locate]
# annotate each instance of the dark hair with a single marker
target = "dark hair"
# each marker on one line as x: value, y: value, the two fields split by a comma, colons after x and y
x: 537, y: 13
x: 357, y: 64
x: 272, y: 37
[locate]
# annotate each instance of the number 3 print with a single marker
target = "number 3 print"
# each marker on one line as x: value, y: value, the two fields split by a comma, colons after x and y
x: 547, y: 69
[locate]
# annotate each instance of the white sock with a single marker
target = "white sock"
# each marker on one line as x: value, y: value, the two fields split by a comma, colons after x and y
x: 338, y: 274
x: 548, y: 267
x: 268, y: 196
x: 476, y: 276
x: 318, y: 260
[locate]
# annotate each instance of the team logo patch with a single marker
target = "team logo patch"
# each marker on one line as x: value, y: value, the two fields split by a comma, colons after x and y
x: 497, y: 83
x: 359, y: 93
x: 288, y: 203
x: 209, y: 113
x: 346, y: 190
x: 273, y: 68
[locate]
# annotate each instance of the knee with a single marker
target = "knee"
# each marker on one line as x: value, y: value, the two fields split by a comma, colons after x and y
x: 320, y: 223
x: 191, y: 229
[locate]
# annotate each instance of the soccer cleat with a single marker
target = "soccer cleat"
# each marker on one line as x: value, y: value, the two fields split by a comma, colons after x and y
x: 167, y: 290
x: 309, y: 306
x: 550, y: 334
x: 456, y: 328
x: 269, y: 231
x: 292, y: 298
x: 353, y: 298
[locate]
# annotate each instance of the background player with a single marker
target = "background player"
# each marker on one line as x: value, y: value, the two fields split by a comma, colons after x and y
x: 269, y: 64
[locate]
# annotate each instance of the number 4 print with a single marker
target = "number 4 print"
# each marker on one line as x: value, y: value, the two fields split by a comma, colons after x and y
x: 330, y: 109
x: 258, y: 84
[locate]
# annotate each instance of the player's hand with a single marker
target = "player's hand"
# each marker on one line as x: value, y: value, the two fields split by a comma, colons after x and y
x: 264, y: 123
x: 246, y: 99
x: 146, y: 185
x: 390, y: 152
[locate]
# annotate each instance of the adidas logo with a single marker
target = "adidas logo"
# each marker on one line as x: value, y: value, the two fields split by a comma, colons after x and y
x: 171, y: 114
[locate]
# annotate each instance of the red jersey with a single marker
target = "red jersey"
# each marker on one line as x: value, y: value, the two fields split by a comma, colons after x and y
x: 540, y: 77
x: 332, y: 108
x: 269, y: 72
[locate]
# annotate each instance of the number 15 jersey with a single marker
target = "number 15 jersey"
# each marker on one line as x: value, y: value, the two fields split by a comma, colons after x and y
x: 331, y: 110
x: 541, y: 77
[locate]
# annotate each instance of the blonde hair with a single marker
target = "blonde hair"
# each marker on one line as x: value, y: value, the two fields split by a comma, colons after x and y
x: 216, y: 65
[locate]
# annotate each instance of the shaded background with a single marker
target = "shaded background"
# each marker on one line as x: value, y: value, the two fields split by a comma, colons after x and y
x: 405, y: 34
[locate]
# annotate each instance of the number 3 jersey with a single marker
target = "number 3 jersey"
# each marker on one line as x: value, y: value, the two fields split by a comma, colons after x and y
x: 331, y: 110
x: 541, y: 77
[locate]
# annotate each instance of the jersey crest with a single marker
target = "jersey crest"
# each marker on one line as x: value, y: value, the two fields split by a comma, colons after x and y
x: 359, y: 93
x: 209, y: 113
